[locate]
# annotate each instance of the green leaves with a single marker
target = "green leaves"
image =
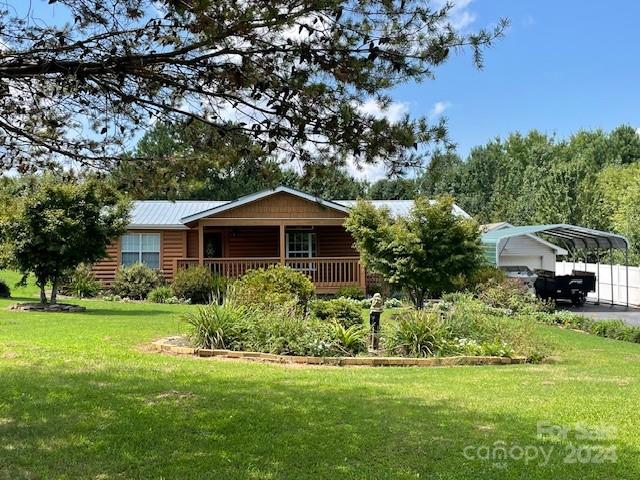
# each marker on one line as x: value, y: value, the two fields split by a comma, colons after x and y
x: 425, y: 253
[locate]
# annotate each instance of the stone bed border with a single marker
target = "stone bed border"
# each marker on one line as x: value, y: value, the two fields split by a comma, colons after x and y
x: 163, y: 347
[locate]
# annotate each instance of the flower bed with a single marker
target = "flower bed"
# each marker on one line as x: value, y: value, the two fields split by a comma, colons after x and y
x: 176, y: 346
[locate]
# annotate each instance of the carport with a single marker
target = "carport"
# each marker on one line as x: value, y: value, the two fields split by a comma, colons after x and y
x: 573, y: 237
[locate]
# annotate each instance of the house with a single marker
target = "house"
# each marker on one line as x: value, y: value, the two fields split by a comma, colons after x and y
x: 522, y: 250
x: 279, y: 226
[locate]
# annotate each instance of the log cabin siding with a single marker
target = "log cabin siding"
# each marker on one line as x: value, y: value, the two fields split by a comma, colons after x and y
x: 172, y: 248
x: 105, y: 269
x: 192, y: 243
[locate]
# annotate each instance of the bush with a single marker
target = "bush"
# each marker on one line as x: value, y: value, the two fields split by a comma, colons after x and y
x: 345, y: 311
x: 392, y: 303
x: 136, y: 281
x: 160, y: 294
x: 5, y: 291
x: 485, y: 275
x: 217, y: 326
x: 415, y: 334
x: 276, y: 285
x: 512, y: 295
x: 198, y: 284
x: 82, y: 283
x: 351, y: 291
x: 350, y: 340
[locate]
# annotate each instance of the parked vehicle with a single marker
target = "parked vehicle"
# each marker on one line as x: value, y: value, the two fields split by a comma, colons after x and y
x: 574, y: 287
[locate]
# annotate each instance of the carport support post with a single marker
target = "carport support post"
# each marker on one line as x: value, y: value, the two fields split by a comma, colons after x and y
x: 611, y: 265
x: 598, y: 274
x: 626, y: 264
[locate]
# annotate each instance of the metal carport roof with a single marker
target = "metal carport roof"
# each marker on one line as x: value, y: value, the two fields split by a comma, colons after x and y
x: 571, y: 235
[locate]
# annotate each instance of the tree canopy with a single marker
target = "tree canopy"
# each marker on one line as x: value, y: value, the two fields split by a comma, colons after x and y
x: 290, y: 75
x: 429, y: 252
x: 54, y: 226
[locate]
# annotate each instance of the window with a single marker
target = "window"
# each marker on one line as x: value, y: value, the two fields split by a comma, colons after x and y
x: 140, y: 248
x: 301, y: 244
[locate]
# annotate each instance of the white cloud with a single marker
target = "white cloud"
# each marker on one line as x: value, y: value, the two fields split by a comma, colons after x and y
x: 394, y: 112
x: 438, y: 109
x: 460, y: 15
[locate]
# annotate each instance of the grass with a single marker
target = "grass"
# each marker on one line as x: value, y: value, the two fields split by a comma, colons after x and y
x: 81, y: 396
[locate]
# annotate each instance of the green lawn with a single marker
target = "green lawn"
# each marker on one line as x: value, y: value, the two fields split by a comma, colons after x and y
x: 82, y: 396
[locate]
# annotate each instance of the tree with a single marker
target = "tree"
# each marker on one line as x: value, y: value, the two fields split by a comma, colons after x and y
x: 618, y: 191
x: 441, y: 177
x: 55, y: 226
x: 425, y: 253
x: 292, y: 74
x: 330, y: 182
x: 393, y: 189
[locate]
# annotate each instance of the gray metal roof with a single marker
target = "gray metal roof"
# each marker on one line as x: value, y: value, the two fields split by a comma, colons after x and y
x: 399, y: 208
x: 165, y: 213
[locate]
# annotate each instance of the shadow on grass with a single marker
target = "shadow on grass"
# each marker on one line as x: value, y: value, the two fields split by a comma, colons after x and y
x: 135, y: 423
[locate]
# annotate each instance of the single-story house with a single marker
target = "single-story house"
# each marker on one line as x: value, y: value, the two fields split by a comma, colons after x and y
x: 523, y: 250
x: 279, y: 226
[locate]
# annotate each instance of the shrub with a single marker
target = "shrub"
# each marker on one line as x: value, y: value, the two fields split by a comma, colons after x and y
x: 276, y: 285
x: 415, y: 334
x: 160, y: 294
x: 485, y: 275
x: 345, y: 311
x: 351, y: 291
x: 217, y: 326
x: 136, y: 281
x: 352, y: 340
x: 392, y: 303
x: 5, y: 291
x: 365, y: 303
x: 512, y: 295
x: 198, y: 284
x: 82, y: 283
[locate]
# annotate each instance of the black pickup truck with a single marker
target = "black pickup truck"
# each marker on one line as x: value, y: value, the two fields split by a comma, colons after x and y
x: 574, y: 287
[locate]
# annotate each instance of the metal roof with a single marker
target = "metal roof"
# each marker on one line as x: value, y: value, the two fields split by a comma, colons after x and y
x: 571, y: 235
x: 163, y: 214
x: 400, y: 208
x: 166, y: 214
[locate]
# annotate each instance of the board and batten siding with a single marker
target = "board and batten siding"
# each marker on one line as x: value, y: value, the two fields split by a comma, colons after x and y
x: 281, y: 205
x: 335, y: 242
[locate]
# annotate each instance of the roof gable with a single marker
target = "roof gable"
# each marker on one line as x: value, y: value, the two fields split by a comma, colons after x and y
x: 260, y: 197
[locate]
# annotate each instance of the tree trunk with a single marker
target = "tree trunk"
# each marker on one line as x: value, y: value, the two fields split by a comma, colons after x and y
x: 43, y: 293
x: 54, y: 292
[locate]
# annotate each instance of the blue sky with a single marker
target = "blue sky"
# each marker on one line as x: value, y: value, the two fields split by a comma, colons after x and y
x: 563, y: 65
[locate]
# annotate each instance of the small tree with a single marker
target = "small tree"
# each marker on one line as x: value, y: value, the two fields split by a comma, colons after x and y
x: 425, y: 253
x: 55, y: 226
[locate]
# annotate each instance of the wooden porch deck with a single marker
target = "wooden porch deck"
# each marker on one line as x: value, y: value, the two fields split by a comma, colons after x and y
x: 328, y: 274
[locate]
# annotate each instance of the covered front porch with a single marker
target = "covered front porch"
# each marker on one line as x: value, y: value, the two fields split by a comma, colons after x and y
x: 323, y: 251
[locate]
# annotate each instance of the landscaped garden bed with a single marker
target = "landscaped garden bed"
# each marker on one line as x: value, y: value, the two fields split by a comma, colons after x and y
x: 179, y: 346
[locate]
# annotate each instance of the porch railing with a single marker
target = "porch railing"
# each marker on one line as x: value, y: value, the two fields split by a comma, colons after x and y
x: 324, y: 272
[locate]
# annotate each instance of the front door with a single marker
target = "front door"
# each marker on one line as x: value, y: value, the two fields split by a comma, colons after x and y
x: 213, y: 244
